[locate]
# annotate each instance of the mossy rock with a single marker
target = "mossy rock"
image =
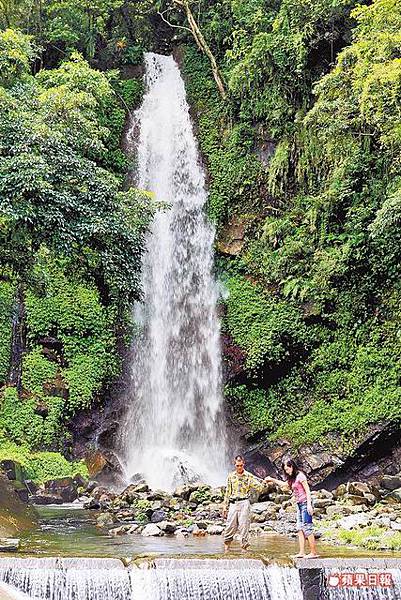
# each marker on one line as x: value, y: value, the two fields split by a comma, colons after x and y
x: 15, y: 516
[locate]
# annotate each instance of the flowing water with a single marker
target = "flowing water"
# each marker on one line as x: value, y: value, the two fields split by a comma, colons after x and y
x: 108, y: 579
x: 174, y: 429
x: 179, y: 579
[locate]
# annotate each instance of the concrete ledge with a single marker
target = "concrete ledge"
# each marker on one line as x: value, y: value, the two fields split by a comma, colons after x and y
x: 348, y: 563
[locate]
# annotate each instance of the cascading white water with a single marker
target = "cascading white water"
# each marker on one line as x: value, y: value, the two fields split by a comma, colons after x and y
x: 213, y: 579
x: 174, y: 429
x: 107, y: 579
x: 67, y: 579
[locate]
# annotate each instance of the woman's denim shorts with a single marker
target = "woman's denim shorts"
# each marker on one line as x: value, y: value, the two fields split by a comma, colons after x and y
x: 304, y: 519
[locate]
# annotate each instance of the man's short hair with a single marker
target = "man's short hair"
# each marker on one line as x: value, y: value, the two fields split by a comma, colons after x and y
x: 240, y: 457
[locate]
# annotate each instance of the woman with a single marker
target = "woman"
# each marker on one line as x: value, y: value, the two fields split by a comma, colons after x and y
x: 297, y: 482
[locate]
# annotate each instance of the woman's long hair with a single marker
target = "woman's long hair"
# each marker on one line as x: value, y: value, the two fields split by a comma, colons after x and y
x: 290, y: 462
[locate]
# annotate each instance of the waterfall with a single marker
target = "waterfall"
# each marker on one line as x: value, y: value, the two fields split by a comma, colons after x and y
x: 174, y: 428
x: 108, y: 579
x: 184, y: 579
x: 67, y: 579
x: 211, y: 579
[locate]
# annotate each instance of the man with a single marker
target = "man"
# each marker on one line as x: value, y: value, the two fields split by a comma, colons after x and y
x: 236, y: 505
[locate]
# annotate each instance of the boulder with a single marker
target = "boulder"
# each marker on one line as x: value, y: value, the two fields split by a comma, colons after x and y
x: 217, y: 494
x: 21, y: 490
x: 340, y: 491
x: 122, y: 530
x: 92, y: 504
x: 158, y: 516
x: 104, y: 520
x: 184, y: 491
x: 371, y: 498
x: 157, y: 495
x: 151, y: 530
x: 260, y: 507
x: 215, y: 529
x: 356, y: 500
x: 133, y: 529
x: 395, y: 495
x: 357, y: 488
x: 232, y: 236
x: 322, y: 502
x: 354, y: 521
x: 338, y: 509
x: 130, y: 494
x: 391, y: 482
x: 66, y: 488
x: 43, y: 498
x: 167, y: 526
x: 9, y: 545
x: 12, y: 470
x: 280, y: 498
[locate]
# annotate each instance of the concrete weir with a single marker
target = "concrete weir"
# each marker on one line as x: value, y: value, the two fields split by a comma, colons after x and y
x: 199, y: 579
x: 350, y: 578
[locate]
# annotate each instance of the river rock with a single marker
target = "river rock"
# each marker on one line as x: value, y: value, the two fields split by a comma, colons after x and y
x: 104, y: 520
x: 261, y: 507
x: 395, y: 495
x: 93, y: 504
x: 215, y: 529
x: 338, y: 509
x: 322, y: 502
x: 9, y: 545
x: 391, y: 482
x: 122, y: 530
x: 167, y: 526
x: 354, y: 521
x: 184, y: 491
x: 158, y: 516
x: 340, y: 491
x: 357, y: 488
x: 356, y: 500
x: 151, y: 530
x: 43, y: 498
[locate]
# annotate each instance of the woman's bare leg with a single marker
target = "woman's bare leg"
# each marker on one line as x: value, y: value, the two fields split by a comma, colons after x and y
x: 312, y: 544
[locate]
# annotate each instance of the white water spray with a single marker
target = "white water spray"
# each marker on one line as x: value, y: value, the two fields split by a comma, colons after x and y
x: 174, y: 429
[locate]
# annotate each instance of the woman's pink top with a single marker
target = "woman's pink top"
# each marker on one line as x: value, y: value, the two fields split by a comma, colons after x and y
x: 298, y: 488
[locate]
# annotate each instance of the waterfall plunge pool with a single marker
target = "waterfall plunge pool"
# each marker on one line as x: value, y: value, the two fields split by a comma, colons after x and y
x: 72, y: 531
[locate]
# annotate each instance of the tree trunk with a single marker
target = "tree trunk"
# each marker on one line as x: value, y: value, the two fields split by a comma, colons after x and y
x: 203, y: 46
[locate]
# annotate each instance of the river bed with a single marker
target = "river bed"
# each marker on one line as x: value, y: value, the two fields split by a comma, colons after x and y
x: 68, y: 530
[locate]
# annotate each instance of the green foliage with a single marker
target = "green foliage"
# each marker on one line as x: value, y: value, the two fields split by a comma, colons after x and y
x: 264, y: 326
x: 371, y: 538
x: 251, y: 406
x: 70, y: 311
x: 53, y: 194
x: 21, y: 423
x: 37, y: 371
x: 17, y: 51
x: 237, y: 178
x: 127, y: 96
x: 41, y: 466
